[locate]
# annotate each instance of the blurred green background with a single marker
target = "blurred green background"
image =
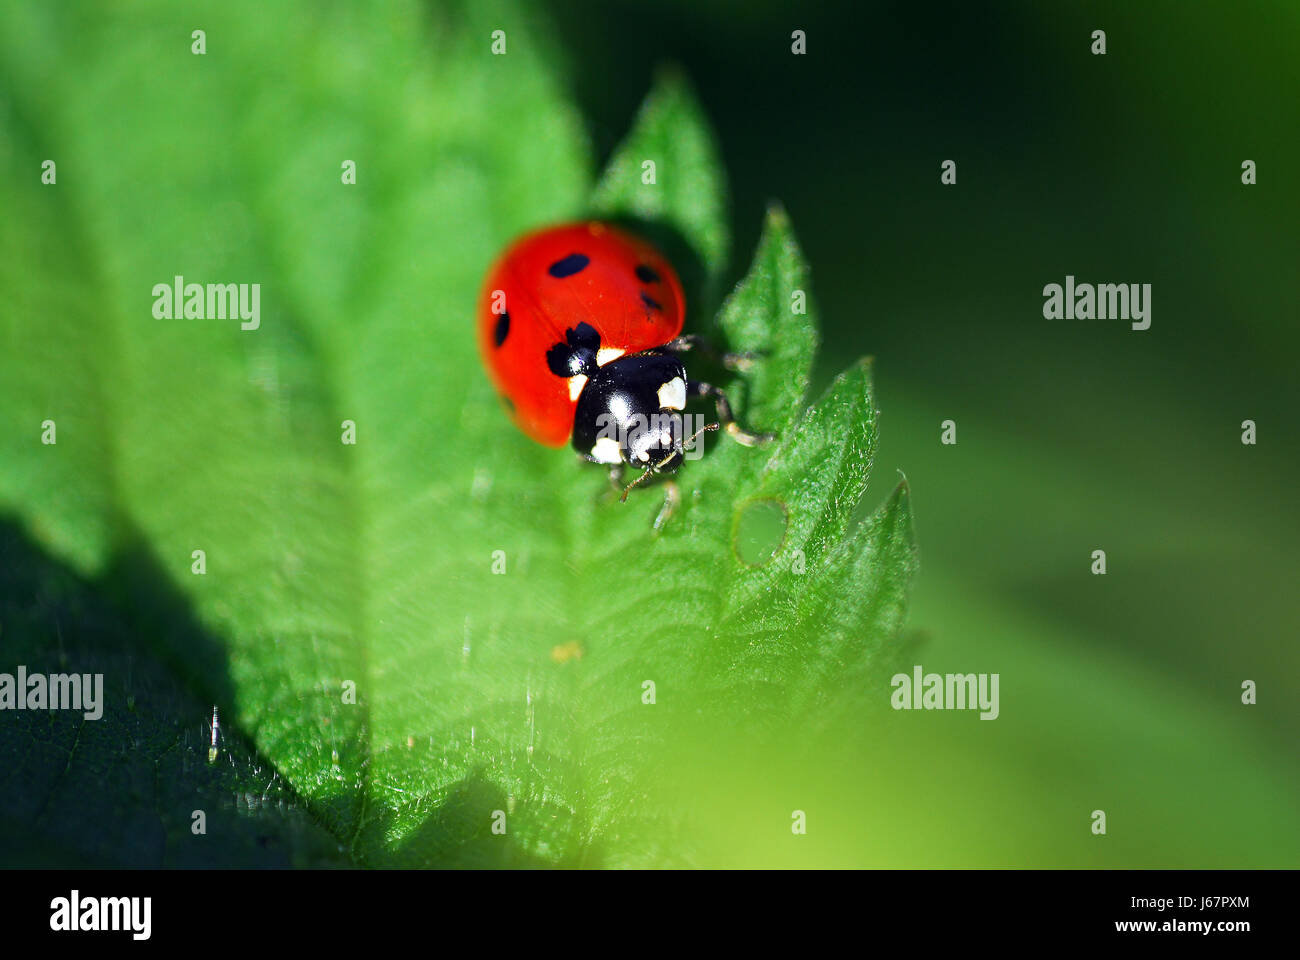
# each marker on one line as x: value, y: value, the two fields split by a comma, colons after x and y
x: 1121, y: 692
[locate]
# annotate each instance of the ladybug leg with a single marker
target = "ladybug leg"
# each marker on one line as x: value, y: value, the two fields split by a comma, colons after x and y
x: 672, y: 497
x: 697, y: 388
x: 616, y: 484
x: 736, y: 362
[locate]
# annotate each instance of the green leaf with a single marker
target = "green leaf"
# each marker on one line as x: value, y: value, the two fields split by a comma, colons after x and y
x: 771, y: 314
x: 481, y: 697
x: 127, y: 780
x: 668, y: 176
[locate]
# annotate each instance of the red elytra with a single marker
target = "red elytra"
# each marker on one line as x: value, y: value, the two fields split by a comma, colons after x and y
x: 554, y: 279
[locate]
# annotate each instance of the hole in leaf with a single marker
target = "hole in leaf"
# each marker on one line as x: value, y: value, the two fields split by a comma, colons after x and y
x: 760, y: 531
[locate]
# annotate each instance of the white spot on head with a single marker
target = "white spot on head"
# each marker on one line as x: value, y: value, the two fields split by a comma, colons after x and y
x: 606, y: 451
x: 672, y: 395
x: 575, y: 386
x: 605, y: 354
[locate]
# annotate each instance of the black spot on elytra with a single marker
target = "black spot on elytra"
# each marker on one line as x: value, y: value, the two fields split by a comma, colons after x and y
x: 651, y: 303
x: 577, y: 354
x: 646, y: 274
x: 503, y: 329
x: 568, y: 266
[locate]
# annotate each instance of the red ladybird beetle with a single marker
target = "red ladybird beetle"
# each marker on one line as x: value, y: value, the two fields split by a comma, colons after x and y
x: 580, y: 331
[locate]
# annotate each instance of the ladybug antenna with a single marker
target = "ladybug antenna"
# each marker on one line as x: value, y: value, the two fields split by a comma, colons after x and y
x: 648, y: 471
x: 707, y: 428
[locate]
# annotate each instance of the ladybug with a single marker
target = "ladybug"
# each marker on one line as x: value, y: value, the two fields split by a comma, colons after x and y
x: 580, y: 330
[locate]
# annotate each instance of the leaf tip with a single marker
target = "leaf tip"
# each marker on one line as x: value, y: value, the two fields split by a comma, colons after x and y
x: 900, y: 505
x: 671, y: 89
x: 670, y: 75
x: 861, y: 370
x: 777, y: 218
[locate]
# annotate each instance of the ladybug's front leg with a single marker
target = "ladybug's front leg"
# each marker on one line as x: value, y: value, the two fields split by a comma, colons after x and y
x: 697, y: 388
x: 672, y: 495
x: 615, y: 484
x: 736, y: 362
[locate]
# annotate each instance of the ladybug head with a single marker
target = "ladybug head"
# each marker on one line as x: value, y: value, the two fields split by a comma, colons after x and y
x: 654, y: 442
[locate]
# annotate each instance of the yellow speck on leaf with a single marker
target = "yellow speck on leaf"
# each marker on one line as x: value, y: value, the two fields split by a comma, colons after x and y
x: 565, y: 652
